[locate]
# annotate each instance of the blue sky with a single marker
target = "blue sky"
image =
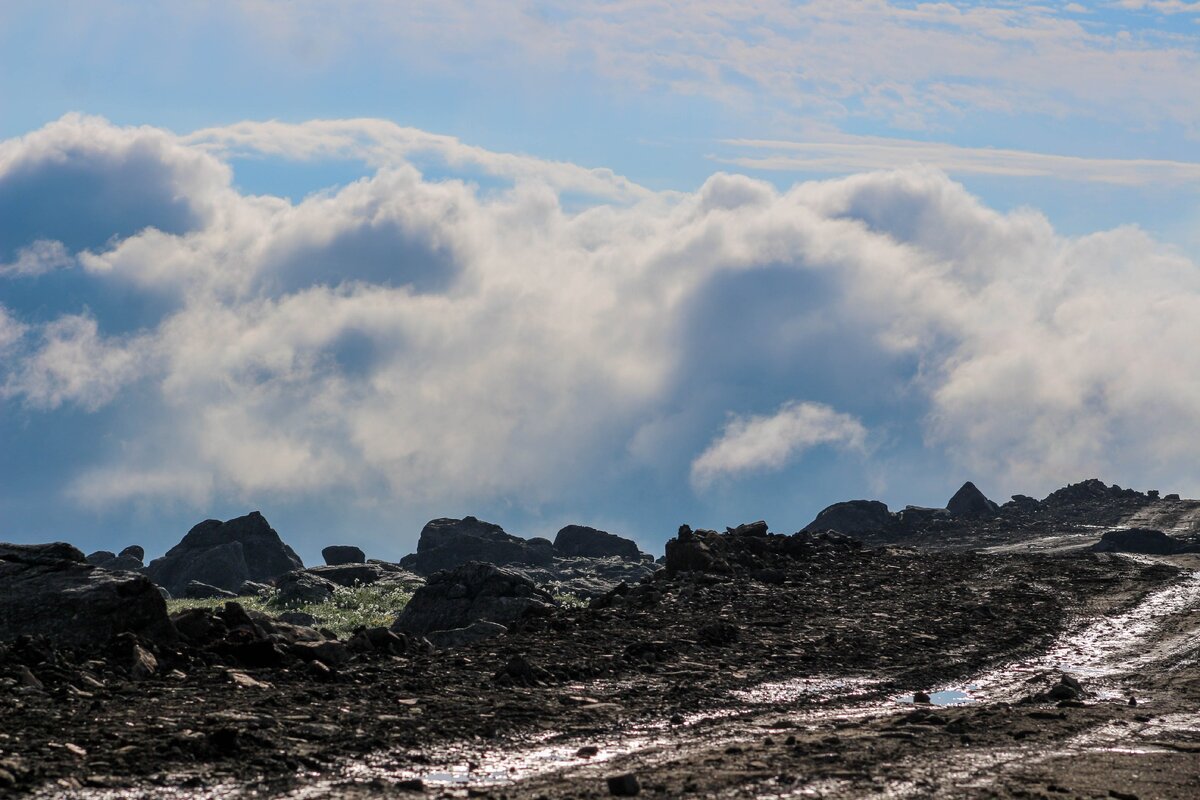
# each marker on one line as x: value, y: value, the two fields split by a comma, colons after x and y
x: 625, y: 264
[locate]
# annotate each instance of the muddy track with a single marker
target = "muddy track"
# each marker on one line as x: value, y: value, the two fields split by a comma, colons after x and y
x: 984, y: 742
x: 807, y: 703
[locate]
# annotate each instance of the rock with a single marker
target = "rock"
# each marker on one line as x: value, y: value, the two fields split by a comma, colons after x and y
x: 919, y: 516
x: 447, y: 543
x: 331, y: 654
x: 471, y: 593
x: 354, y: 574
x: 968, y: 501
x: 693, y: 551
x: 195, y: 590
x: 1171, y: 496
x: 225, y: 555
x: 587, y: 577
x: 51, y: 590
x: 130, y: 559
x: 580, y: 540
x: 337, y: 554
x: 298, y: 618
x: 459, y: 637
x: 1023, y: 502
x: 302, y: 587
x: 518, y: 671
x: 854, y: 516
x: 1137, y: 540
x: 143, y: 664
x: 381, y: 640
x: 921, y: 698
x: 253, y: 589
x: 134, y: 551
x: 623, y: 785
x: 26, y: 678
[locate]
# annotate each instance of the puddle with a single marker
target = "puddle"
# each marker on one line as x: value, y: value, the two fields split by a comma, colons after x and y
x: 946, y: 697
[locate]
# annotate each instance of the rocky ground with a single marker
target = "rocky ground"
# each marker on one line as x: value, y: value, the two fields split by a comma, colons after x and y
x: 754, y: 665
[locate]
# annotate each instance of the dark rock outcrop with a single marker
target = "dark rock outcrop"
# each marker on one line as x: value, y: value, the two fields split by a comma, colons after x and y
x: 195, y: 590
x: 587, y: 577
x: 854, y: 516
x: 51, y: 590
x: 580, y: 540
x: 447, y: 543
x: 748, y: 550
x: 129, y: 560
x: 337, y: 554
x: 225, y: 555
x: 302, y: 587
x: 1138, y: 540
x: 470, y: 593
x: 366, y: 575
x: 968, y: 501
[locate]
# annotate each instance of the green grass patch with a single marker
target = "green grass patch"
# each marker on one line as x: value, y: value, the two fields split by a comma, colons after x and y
x: 349, y: 608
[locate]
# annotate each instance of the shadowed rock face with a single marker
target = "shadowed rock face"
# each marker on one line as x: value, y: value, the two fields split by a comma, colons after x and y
x: 129, y: 560
x: 580, y: 540
x: 225, y: 555
x: 854, y: 516
x: 969, y: 501
x: 51, y: 590
x: 447, y: 543
x: 337, y: 554
x: 1138, y: 540
x: 471, y: 593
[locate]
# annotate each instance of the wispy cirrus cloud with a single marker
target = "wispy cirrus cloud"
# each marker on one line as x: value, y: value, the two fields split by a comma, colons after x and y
x: 847, y: 154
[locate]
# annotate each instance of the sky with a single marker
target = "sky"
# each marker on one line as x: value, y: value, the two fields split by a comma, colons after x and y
x: 625, y: 264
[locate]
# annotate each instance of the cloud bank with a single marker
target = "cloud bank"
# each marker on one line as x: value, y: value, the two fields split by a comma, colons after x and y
x: 421, y: 340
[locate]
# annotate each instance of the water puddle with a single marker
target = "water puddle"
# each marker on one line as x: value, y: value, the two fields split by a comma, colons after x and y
x: 946, y: 697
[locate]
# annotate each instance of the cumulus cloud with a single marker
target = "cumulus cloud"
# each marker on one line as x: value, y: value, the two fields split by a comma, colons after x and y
x: 426, y: 340
x: 74, y: 364
x: 80, y: 182
x: 762, y: 443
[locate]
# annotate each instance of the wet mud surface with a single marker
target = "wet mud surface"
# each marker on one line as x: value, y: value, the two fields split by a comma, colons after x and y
x: 787, y: 681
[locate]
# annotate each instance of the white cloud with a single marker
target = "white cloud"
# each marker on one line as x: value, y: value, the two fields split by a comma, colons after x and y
x: 763, y: 443
x: 11, y: 330
x: 74, y: 364
x: 914, y: 65
x: 42, y: 256
x: 846, y: 154
x: 412, y: 339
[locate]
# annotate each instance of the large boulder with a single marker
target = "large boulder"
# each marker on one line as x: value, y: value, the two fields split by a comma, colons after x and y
x: 302, y: 588
x: 129, y: 559
x: 968, y: 501
x: 853, y: 516
x: 1138, y: 540
x: 448, y: 543
x: 225, y: 555
x: 337, y: 554
x: 470, y: 593
x: 580, y: 540
x: 366, y: 574
x: 51, y: 590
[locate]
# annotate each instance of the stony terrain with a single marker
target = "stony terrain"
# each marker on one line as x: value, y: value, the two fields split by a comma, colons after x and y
x: 750, y: 665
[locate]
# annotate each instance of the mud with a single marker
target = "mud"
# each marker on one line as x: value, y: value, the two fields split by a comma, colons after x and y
x: 796, y: 682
